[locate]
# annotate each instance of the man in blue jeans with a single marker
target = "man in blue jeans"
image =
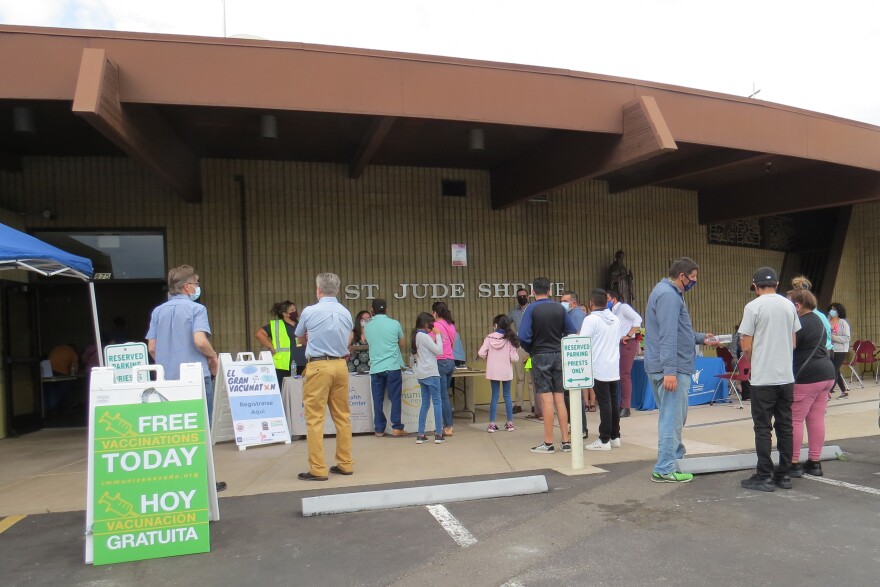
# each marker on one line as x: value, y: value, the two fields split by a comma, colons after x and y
x: 669, y: 363
x: 386, y: 342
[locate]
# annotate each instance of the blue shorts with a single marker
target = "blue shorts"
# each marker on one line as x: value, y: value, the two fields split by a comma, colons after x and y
x: 547, y: 372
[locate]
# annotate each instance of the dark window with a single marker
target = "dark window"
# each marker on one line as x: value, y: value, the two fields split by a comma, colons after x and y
x: 122, y: 255
x: 454, y: 188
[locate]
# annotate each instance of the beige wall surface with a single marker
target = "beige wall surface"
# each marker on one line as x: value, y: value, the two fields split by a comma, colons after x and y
x: 858, y: 281
x: 390, y: 227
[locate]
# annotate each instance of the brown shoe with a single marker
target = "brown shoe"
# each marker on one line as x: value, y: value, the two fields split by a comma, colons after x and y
x: 517, y: 409
x: 447, y: 431
x: 399, y: 432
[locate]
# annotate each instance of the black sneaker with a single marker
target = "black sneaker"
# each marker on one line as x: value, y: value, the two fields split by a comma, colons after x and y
x: 782, y: 481
x: 813, y: 468
x: 796, y: 471
x: 758, y: 484
x: 566, y: 447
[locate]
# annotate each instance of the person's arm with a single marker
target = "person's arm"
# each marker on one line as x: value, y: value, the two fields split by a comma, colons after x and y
x: 484, y: 350
x: 264, y: 340
x: 745, y: 342
x: 843, y: 333
x: 302, y: 336
x: 569, y: 327
x: 151, y: 347
x: 200, y: 339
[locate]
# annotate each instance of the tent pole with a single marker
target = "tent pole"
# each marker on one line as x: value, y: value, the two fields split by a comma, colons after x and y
x: 95, y: 324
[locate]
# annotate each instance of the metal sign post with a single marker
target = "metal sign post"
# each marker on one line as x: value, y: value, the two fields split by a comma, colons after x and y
x: 577, y: 374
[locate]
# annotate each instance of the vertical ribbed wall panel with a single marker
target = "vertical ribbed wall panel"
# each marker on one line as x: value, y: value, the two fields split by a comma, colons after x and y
x: 391, y: 226
x: 858, y: 280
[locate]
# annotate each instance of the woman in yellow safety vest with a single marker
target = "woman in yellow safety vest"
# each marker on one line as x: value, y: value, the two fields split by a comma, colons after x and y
x: 278, y: 336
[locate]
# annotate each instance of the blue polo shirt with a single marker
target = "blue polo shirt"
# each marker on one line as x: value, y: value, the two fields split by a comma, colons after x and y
x: 328, y: 324
x: 172, y: 326
x: 383, y: 337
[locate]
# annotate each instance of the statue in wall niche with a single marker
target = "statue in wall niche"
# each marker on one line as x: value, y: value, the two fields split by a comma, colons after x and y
x: 620, y: 279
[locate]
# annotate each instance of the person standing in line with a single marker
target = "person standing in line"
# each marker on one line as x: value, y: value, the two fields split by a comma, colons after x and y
x: 813, y: 377
x: 523, y: 386
x: 386, y: 343
x: 500, y: 349
x: 446, y: 361
x: 278, y: 337
x: 669, y: 363
x: 427, y: 345
x: 325, y: 329
x: 629, y: 347
x: 603, y: 328
x: 769, y: 325
x: 569, y: 301
x: 544, y: 323
x: 840, y: 337
x: 179, y: 332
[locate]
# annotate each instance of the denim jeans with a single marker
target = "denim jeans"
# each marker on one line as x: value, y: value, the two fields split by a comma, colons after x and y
x: 431, y: 392
x: 392, y: 381
x: 673, y: 407
x: 209, y: 399
x: 446, y: 368
x: 493, y: 406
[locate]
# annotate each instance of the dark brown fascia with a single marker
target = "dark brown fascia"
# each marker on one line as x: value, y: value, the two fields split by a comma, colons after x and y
x: 371, y: 142
x: 574, y: 157
x: 820, y: 186
x: 708, y: 162
x: 140, y: 131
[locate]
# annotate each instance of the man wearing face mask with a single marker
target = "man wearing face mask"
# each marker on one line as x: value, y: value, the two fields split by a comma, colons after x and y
x: 179, y: 332
x: 386, y: 343
x: 669, y: 363
x: 521, y: 378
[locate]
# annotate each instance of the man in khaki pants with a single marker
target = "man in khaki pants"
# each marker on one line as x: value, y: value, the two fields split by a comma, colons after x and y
x: 522, y: 379
x: 325, y: 328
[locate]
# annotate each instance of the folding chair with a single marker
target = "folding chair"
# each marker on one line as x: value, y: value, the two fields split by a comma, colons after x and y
x: 863, y: 353
x: 741, y: 372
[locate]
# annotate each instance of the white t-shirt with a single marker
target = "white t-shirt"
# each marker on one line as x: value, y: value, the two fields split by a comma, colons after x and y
x: 603, y: 328
x: 771, y: 320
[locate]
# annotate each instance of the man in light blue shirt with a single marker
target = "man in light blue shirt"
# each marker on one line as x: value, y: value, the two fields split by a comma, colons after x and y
x: 386, y: 343
x: 325, y: 329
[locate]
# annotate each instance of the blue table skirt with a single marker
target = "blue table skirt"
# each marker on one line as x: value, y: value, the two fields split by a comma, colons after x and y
x: 702, y: 389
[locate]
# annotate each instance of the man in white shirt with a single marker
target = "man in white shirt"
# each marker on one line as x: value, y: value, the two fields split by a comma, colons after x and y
x: 629, y: 347
x: 769, y: 324
x: 603, y: 328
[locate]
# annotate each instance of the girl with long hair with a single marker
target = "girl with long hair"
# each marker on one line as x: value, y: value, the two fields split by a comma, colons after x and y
x: 446, y: 361
x: 500, y: 351
x: 426, y: 345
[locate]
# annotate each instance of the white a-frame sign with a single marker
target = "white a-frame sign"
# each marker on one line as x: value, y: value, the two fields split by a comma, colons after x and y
x: 247, y: 402
x: 151, y: 483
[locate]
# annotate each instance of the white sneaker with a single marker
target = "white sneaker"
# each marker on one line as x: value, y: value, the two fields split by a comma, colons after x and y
x: 599, y: 445
x: 615, y: 442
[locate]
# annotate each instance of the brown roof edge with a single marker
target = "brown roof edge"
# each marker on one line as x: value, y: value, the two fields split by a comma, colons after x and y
x: 435, y: 59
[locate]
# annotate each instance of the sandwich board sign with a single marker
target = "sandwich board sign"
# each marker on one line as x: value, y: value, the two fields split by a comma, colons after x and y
x: 151, y: 487
x: 577, y: 362
x: 247, y: 390
x: 124, y: 358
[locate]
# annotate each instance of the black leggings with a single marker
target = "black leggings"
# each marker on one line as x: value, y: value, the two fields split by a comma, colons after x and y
x: 838, y: 360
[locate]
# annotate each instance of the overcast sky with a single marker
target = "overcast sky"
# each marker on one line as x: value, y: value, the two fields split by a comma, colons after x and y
x: 821, y: 56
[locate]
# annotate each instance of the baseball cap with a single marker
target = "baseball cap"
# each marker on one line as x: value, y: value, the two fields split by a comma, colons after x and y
x: 379, y: 305
x: 765, y: 276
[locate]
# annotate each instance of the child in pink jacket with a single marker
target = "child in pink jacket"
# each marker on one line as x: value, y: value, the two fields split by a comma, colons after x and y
x: 500, y: 351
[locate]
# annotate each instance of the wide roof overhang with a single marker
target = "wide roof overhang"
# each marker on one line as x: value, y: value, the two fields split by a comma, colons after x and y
x: 169, y: 101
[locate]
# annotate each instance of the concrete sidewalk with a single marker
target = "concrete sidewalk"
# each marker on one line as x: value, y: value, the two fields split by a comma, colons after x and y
x: 46, y: 471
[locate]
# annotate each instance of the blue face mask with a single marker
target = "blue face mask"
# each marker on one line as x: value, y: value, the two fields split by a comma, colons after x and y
x: 195, y: 295
x: 610, y: 304
x: 565, y: 305
x: 690, y: 285
x: 832, y: 313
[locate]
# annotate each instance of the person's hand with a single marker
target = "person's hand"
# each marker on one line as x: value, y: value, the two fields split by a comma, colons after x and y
x: 435, y: 331
x: 624, y: 339
x: 670, y: 382
x: 710, y: 340
x: 213, y: 364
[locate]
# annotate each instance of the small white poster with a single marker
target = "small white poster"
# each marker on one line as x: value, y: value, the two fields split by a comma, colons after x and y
x: 459, y: 255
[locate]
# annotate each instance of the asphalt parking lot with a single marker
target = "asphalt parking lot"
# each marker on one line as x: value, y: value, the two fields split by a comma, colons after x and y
x: 614, y: 528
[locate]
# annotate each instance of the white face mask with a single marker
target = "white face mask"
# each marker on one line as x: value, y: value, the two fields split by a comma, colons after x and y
x: 566, y: 305
x: 832, y: 313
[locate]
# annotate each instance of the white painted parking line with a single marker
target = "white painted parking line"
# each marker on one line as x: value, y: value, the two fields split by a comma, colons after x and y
x: 458, y: 532
x: 862, y: 488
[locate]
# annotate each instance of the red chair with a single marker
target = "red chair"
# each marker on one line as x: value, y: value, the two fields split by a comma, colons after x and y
x: 863, y: 354
x: 741, y: 372
x: 725, y: 355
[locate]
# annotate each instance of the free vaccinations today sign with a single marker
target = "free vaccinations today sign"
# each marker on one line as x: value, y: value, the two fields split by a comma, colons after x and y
x: 151, y: 492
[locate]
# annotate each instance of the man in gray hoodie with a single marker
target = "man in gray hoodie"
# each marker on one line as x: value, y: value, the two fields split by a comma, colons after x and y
x: 669, y: 363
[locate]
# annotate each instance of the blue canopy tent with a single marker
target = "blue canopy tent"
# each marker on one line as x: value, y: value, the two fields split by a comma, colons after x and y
x: 22, y: 251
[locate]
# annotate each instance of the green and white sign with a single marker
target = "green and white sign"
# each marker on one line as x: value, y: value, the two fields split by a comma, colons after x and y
x: 577, y: 362
x: 124, y: 358
x: 150, y: 486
